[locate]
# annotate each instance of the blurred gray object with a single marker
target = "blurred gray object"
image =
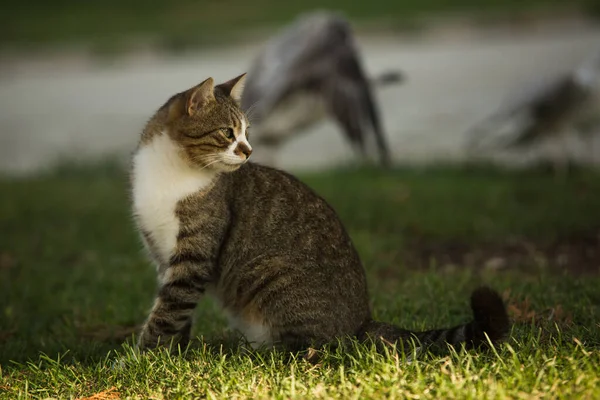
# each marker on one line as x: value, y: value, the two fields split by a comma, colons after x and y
x: 566, y: 105
x: 308, y: 72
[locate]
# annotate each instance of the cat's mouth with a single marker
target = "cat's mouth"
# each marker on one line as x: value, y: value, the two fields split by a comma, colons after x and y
x: 231, y: 165
x: 233, y: 160
x: 223, y: 163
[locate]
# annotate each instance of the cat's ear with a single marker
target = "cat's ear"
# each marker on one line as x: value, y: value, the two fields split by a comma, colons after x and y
x: 235, y: 87
x: 200, y: 95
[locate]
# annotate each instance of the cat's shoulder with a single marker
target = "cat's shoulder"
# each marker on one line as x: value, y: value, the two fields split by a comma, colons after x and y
x: 265, y: 172
x: 282, y: 180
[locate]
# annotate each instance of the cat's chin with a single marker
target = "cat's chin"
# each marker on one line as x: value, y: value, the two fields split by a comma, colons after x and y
x: 230, y: 167
x: 221, y: 166
x: 227, y: 167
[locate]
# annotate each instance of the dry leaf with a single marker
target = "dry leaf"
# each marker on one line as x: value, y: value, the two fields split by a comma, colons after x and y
x: 521, y: 311
x: 110, y: 394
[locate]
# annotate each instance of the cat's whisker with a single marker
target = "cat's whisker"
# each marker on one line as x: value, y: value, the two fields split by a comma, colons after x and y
x: 252, y: 107
x: 252, y: 115
x: 206, y: 157
x: 250, y: 111
x: 211, y: 163
x: 201, y: 158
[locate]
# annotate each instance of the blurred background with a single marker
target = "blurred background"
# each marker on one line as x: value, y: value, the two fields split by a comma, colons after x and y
x: 79, y: 79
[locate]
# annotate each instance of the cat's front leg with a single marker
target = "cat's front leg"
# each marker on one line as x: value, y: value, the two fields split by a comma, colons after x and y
x: 181, y: 287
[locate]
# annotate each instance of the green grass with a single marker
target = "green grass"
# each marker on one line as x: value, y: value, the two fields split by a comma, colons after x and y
x: 187, y: 22
x: 73, y: 281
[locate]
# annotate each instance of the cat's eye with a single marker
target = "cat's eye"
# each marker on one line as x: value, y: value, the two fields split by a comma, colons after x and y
x: 228, y: 133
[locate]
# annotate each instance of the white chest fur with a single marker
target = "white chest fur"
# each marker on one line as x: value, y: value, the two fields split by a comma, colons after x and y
x: 161, y: 178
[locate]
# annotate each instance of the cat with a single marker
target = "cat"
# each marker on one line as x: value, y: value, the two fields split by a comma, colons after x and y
x: 265, y: 246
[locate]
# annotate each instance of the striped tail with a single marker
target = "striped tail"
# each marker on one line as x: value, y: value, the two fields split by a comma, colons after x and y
x: 490, y: 319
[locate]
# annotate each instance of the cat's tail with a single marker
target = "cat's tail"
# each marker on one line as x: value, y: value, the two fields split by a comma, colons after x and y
x: 490, y: 324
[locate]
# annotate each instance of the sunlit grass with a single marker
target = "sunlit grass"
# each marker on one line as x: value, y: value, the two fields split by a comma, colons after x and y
x: 74, y: 284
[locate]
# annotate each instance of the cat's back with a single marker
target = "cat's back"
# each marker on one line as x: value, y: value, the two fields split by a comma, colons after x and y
x: 274, y: 208
x: 268, y: 187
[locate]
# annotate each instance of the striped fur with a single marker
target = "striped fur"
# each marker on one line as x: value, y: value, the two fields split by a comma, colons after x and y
x: 490, y: 324
x: 267, y: 248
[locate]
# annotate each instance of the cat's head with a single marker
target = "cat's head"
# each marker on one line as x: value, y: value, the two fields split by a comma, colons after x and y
x: 208, y: 125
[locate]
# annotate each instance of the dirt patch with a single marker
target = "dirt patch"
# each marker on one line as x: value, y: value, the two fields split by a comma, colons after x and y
x: 577, y: 253
x: 110, y: 394
x: 521, y: 311
x: 109, y: 333
x: 6, y: 335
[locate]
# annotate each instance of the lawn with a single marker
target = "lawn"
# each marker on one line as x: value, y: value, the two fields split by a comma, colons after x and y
x: 74, y: 284
x: 176, y: 24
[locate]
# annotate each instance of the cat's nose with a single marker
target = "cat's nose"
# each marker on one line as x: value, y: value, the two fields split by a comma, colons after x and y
x: 244, y: 149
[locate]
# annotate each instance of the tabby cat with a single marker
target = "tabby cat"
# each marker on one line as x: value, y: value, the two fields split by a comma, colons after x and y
x: 272, y: 252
